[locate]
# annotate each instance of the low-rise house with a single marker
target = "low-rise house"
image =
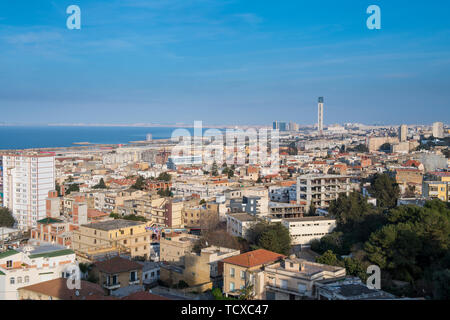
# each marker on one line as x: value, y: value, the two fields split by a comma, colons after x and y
x: 31, y: 265
x: 238, y: 224
x: 117, y: 273
x: 57, y: 289
x: 199, y: 270
x: 239, y: 271
x: 150, y: 272
x: 173, y: 247
x: 295, y: 279
x: 52, y: 230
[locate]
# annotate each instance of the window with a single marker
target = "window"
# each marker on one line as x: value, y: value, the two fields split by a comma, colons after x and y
x: 133, y: 276
x: 284, y: 284
x: 9, y: 264
x: 243, y: 275
x: 11, y: 280
x: 19, y: 279
x: 232, y: 272
x: 301, y: 287
x: 231, y: 286
x: 27, y: 279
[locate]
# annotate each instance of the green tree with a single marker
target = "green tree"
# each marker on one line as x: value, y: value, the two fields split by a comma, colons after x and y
x: 385, y: 190
x: 441, y: 284
x: 134, y: 217
x: 214, y: 170
x: 273, y: 237
x: 165, y: 192
x: 246, y: 293
x: 359, y: 148
x: 312, y: 210
x: 333, y: 241
x: 386, y: 147
x: 58, y: 188
x: 164, y: 176
x: 218, y: 295
x: 328, y: 258
x: 139, y: 184
x: 100, y: 185
x: 6, y: 218
x: 73, y: 187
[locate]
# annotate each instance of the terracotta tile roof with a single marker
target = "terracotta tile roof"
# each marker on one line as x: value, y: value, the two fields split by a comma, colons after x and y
x: 92, y: 213
x: 254, y: 258
x: 412, y: 163
x: 57, y: 288
x: 117, y: 265
x: 144, y: 295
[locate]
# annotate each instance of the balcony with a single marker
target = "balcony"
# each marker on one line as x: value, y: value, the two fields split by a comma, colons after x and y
x: 111, y: 286
x: 133, y: 282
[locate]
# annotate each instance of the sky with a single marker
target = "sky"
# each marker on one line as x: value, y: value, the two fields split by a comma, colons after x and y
x: 224, y: 62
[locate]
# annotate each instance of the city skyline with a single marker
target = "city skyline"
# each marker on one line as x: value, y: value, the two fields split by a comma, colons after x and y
x: 176, y: 61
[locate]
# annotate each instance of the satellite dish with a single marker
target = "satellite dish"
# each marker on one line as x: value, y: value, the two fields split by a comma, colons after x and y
x: 77, y: 293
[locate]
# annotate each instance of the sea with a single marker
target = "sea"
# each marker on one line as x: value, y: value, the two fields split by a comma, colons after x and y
x: 28, y: 137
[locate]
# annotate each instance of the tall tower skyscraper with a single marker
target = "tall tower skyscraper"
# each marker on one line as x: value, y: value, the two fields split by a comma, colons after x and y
x: 438, y: 130
x: 276, y: 125
x: 403, y: 133
x: 320, y: 116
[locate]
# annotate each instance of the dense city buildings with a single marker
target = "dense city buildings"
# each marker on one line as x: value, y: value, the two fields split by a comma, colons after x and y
x: 137, y: 217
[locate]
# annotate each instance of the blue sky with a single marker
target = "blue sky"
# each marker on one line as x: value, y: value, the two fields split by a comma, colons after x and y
x: 224, y: 62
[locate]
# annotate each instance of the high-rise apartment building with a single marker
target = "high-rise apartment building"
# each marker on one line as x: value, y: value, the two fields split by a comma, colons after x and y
x: 403, y: 133
x: 293, y: 126
x: 318, y: 190
x: 438, y: 130
x: 275, y: 125
x: 320, y: 116
x: 26, y: 179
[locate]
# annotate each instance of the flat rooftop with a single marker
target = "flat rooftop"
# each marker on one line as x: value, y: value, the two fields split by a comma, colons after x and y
x: 113, y: 224
x: 242, y: 216
x: 321, y: 176
x: 314, y: 218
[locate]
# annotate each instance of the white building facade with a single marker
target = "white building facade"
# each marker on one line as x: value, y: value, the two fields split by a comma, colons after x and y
x: 27, y: 267
x: 304, y: 230
x: 25, y: 182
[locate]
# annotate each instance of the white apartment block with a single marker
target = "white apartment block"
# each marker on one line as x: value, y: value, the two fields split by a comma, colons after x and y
x: 306, y: 229
x: 438, y: 130
x: 319, y: 190
x: 26, y: 179
x: 238, y: 224
x: 32, y: 265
